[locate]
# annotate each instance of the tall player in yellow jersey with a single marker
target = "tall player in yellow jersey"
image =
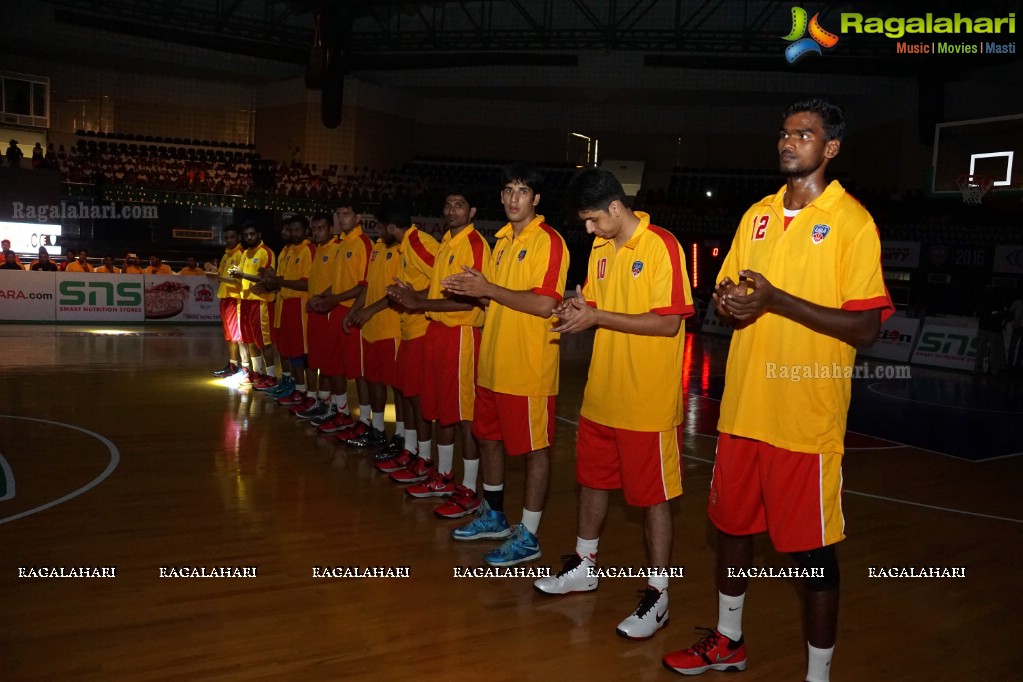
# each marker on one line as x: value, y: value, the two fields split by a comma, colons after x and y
x: 802, y: 284
x: 518, y: 367
x: 255, y: 314
x: 452, y: 352
x: 630, y: 425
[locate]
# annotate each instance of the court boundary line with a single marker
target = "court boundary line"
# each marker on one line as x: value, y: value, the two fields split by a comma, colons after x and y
x: 870, y: 387
x: 115, y: 458
x: 852, y: 492
x: 9, y: 477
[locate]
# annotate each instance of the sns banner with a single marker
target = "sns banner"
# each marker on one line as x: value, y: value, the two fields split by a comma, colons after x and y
x: 943, y: 346
x: 89, y: 297
x: 27, y: 295
x: 895, y: 340
x: 177, y: 298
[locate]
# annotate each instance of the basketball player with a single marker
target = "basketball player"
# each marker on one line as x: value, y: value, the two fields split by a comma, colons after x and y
x: 452, y: 354
x: 291, y: 282
x: 418, y: 254
x: 802, y: 285
x: 518, y: 366
x: 229, y: 292
x: 636, y: 295
x: 379, y: 324
x: 354, y: 248
x: 255, y: 314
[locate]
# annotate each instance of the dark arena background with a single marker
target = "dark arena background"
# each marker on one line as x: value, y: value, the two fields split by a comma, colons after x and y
x: 160, y: 122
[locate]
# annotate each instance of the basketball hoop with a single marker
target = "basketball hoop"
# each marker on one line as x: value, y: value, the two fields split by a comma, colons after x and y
x: 974, y: 187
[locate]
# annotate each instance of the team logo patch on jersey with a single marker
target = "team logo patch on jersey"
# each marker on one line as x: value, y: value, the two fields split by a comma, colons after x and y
x: 325, y: 258
x: 451, y: 259
x: 637, y: 267
x: 348, y: 255
x: 522, y: 254
x: 389, y: 256
x: 819, y: 233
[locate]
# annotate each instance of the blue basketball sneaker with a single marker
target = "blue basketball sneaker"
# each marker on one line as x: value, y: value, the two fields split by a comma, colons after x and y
x: 520, y: 547
x: 488, y: 524
x: 286, y: 387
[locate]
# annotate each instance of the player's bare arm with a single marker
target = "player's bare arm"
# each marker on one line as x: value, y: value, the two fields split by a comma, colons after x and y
x: 472, y: 283
x: 856, y: 327
x: 327, y: 302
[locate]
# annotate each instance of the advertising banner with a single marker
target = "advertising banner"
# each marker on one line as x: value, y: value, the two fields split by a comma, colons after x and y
x: 713, y: 325
x: 27, y: 295
x: 900, y: 254
x: 177, y: 298
x: 944, y: 346
x: 895, y: 340
x: 89, y: 297
x: 1009, y: 259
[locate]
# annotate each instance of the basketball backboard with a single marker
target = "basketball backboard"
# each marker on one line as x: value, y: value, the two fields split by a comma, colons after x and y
x: 984, y: 147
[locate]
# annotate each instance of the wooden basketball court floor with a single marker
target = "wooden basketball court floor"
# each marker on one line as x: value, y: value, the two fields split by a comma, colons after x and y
x: 121, y: 451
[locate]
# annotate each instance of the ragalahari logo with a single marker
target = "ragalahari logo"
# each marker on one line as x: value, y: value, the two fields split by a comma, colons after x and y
x: 801, y: 46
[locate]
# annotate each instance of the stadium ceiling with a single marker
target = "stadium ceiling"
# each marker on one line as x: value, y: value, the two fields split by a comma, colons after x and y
x: 392, y: 34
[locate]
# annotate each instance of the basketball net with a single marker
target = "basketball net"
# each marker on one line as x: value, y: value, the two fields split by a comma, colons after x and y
x: 974, y: 187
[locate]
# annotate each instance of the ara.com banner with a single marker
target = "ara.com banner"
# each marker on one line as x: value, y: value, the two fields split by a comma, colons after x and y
x: 26, y: 296
x: 180, y: 298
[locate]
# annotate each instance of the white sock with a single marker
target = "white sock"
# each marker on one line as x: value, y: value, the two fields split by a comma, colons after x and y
x: 531, y: 520
x: 378, y: 421
x: 472, y: 469
x: 658, y: 582
x: 730, y: 616
x: 411, y: 444
x: 819, y: 666
x: 342, y: 403
x: 285, y: 374
x: 587, y: 549
x: 364, y: 414
x: 425, y: 446
x: 323, y: 395
x: 271, y: 370
x: 247, y: 366
x: 257, y: 365
x: 300, y: 388
x: 399, y: 429
x: 445, y: 458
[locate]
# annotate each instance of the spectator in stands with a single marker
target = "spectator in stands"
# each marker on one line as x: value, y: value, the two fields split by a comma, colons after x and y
x: 108, y: 267
x: 37, y: 155
x: 14, y: 154
x: 1016, y: 318
x: 5, y: 245
x: 990, y: 344
x: 191, y: 268
x: 158, y: 267
x: 51, y: 156
x: 9, y: 263
x: 69, y: 257
x: 131, y: 265
x: 43, y: 264
x: 81, y: 264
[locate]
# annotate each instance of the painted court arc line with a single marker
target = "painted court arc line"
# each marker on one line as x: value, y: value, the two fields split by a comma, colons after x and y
x: 854, y: 492
x: 9, y: 477
x: 115, y: 458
